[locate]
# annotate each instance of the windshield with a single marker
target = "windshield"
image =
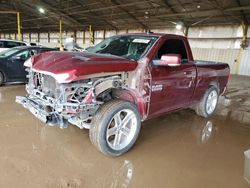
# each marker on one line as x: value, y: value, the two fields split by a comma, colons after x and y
x: 131, y: 47
x: 8, y: 52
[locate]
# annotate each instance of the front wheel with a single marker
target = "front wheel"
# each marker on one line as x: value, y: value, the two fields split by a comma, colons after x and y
x: 115, y: 127
x: 208, y: 103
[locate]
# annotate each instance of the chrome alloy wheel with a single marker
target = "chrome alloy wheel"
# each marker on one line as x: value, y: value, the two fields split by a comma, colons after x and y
x: 121, y: 129
x: 211, y: 101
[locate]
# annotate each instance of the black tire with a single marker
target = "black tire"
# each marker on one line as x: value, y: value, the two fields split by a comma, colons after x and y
x: 103, y: 119
x: 200, y: 108
x: 1, y: 78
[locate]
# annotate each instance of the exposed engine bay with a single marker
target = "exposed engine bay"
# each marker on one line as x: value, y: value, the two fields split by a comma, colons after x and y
x: 58, y: 104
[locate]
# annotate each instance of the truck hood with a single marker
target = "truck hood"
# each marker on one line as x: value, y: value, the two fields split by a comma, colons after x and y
x: 66, y: 67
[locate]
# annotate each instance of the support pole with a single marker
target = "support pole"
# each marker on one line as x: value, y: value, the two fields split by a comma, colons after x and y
x: 18, y: 26
x: 83, y: 40
x: 244, y: 38
x: 60, y: 33
x: 91, y: 38
x: 243, y: 45
x: 185, y: 32
x: 104, y: 34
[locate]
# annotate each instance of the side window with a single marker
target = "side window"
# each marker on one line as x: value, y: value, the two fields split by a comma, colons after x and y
x: 10, y: 44
x: 24, y: 55
x: 173, y: 46
x: 1, y: 44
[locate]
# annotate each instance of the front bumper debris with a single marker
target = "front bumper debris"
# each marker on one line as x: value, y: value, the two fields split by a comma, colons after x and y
x: 38, y: 109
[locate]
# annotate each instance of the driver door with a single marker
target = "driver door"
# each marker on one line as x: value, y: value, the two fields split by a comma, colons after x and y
x: 172, y: 86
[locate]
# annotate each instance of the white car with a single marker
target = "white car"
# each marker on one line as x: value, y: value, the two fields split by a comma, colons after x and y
x: 6, y: 44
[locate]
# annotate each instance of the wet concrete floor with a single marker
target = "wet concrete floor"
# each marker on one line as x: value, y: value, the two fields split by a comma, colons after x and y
x: 175, y: 150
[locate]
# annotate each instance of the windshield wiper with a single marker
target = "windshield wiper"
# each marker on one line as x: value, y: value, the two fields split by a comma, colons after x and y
x: 110, y: 54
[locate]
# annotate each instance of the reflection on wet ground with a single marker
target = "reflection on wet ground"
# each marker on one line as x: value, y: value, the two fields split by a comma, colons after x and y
x: 176, y: 150
x: 236, y: 102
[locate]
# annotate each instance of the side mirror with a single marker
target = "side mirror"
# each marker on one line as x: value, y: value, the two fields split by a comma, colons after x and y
x: 171, y: 60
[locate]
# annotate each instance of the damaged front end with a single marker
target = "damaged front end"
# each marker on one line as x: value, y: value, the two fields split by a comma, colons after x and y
x: 60, y: 104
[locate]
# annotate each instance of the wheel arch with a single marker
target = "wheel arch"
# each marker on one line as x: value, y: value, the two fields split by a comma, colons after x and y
x: 4, y: 75
x: 216, y: 84
x: 131, y: 96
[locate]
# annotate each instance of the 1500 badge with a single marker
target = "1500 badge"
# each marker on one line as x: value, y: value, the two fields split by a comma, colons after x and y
x: 156, y: 87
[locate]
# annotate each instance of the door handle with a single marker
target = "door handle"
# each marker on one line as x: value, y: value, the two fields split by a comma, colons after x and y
x: 188, y: 72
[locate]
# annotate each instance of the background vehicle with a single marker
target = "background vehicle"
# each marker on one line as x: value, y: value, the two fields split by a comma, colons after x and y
x: 6, y: 44
x: 12, y: 60
x: 73, y: 46
x: 120, y: 82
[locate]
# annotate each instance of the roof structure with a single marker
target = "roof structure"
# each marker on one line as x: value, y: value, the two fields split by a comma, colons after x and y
x: 120, y: 14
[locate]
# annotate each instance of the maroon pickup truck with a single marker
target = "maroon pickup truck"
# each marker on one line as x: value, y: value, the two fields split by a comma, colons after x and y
x: 114, y: 86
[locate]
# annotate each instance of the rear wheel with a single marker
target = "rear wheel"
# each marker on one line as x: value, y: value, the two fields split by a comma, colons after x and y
x: 115, y: 127
x: 208, y: 103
